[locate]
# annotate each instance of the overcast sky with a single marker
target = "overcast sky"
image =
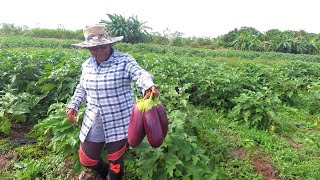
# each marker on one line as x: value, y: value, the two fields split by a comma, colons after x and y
x: 201, y: 18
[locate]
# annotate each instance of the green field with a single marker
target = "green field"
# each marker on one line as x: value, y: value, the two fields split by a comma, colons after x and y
x: 233, y: 114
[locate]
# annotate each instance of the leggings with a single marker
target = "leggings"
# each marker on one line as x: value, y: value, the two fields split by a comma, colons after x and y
x: 89, y: 154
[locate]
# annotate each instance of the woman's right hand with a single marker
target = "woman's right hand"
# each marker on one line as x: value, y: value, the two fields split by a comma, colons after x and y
x: 71, y: 114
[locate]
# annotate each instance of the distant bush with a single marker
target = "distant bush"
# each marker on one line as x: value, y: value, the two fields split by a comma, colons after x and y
x: 7, y: 29
x: 177, y: 39
x: 135, y: 31
x: 27, y: 42
x: 55, y: 33
x: 11, y: 29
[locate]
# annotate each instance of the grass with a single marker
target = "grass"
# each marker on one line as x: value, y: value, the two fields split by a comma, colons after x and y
x: 293, y: 155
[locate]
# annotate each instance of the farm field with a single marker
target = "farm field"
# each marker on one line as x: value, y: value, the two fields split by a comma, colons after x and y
x: 233, y: 114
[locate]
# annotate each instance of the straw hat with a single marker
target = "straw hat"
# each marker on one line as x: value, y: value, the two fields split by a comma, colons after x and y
x: 96, y: 35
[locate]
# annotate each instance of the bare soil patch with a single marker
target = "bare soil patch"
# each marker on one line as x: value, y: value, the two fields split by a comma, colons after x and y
x: 261, y: 162
x: 84, y: 175
x: 239, y: 153
x: 293, y: 143
x: 17, y: 131
x: 5, y: 158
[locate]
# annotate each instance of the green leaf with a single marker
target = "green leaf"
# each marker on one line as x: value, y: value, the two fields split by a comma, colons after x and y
x: 48, y: 87
x: 19, y: 165
x: 195, y: 159
x: 171, y: 161
x: 48, y: 68
x: 1, y: 112
x: 5, y: 126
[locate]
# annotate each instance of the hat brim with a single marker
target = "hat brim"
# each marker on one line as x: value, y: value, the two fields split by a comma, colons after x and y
x: 110, y: 40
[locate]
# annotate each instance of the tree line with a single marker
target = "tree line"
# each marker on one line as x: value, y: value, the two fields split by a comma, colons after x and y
x: 136, y: 31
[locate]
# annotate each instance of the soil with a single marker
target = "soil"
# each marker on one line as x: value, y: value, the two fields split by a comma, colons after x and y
x: 18, y: 135
x: 293, y: 143
x: 17, y: 131
x: 261, y: 162
x: 239, y: 153
x: 5, y: 158
x: 84, y: 175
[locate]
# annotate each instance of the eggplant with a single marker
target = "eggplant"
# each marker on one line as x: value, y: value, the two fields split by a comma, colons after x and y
x: 153, y: 127
x: 136, y: 131
x: 163, y: 118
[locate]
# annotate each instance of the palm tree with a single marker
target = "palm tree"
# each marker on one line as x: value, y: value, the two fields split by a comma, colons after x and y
x: 131, y: 29
x: 280, y: 41
x: 245, y: 40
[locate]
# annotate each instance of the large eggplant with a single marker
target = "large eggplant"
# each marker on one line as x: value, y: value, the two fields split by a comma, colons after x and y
x: 163, y: 118
x: 153, y: 127
x: 136, y: 130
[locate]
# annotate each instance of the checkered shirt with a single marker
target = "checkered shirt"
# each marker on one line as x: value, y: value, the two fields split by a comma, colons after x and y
x: 107, y: 90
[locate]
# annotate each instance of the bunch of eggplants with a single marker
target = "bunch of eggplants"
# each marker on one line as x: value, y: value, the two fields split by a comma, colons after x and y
x: 148, y: 118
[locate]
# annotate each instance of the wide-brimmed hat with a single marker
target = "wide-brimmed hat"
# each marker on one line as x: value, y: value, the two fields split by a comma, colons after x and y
x: 96, y: 35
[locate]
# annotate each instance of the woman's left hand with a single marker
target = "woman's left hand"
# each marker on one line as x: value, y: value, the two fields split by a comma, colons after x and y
x: 152, y: 90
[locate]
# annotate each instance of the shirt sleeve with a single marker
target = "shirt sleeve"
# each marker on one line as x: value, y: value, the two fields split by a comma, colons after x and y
x: 141, y: 77
x: 78, y: 97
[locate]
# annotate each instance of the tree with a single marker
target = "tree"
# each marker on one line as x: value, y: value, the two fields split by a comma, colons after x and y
x: 238, y: 36
x: 247, y: 41
x: 11, y: 29
x: 133, y: 30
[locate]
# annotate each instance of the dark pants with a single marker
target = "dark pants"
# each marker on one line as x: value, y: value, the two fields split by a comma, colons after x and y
x: 89, y: 154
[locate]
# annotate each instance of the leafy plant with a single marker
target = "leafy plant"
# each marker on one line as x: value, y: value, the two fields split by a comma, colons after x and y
x: 179, y: 156
x: 64, y: 136
x: 133, y: 30
x: 256, y: 109
x: 50, y: 167
x: 14, y: 108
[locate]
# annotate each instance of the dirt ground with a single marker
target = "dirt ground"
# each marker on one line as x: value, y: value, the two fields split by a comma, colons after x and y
x: 261, y: 162
x: 17, y: 132
x: 5, y: 158
x: 18, y: 135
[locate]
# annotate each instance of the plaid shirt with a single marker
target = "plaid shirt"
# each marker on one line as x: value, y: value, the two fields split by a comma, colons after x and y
x: 107, y: 89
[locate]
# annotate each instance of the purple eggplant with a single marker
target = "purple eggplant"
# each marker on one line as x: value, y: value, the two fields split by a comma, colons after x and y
x: 163, y: 118
x: 136, y: 131
x: 153, y: 127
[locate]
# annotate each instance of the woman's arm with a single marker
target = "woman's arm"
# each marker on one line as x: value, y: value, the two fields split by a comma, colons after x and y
x: 141, y: 77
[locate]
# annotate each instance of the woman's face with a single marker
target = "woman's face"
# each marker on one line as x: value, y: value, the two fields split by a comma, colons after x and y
x: 101, y: 53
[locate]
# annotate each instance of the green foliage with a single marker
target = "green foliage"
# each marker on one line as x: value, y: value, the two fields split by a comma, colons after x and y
x: 201, y: 90
x: 54, y: 33
x: 273, y: 40
x: 133, y: 30
x: 7, y: 29
x: 311, y: 99
x: 14, y: 108
x: 240, y: 169
x: 179, y: 157
x: 11, y: 29
x: 64, y: 136
x: 32, y: 81
x: 216, y: 54
x: 27, y: 42
x: 256, y: 109
x: 49, y: 167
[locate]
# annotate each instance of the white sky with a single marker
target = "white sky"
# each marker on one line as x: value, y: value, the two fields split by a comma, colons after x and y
x: 201, y: 18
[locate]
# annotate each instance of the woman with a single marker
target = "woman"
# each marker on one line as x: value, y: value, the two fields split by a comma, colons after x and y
x: 106, y: 88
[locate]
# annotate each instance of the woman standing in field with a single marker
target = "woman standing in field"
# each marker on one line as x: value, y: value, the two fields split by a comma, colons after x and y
x: 106, y: 88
